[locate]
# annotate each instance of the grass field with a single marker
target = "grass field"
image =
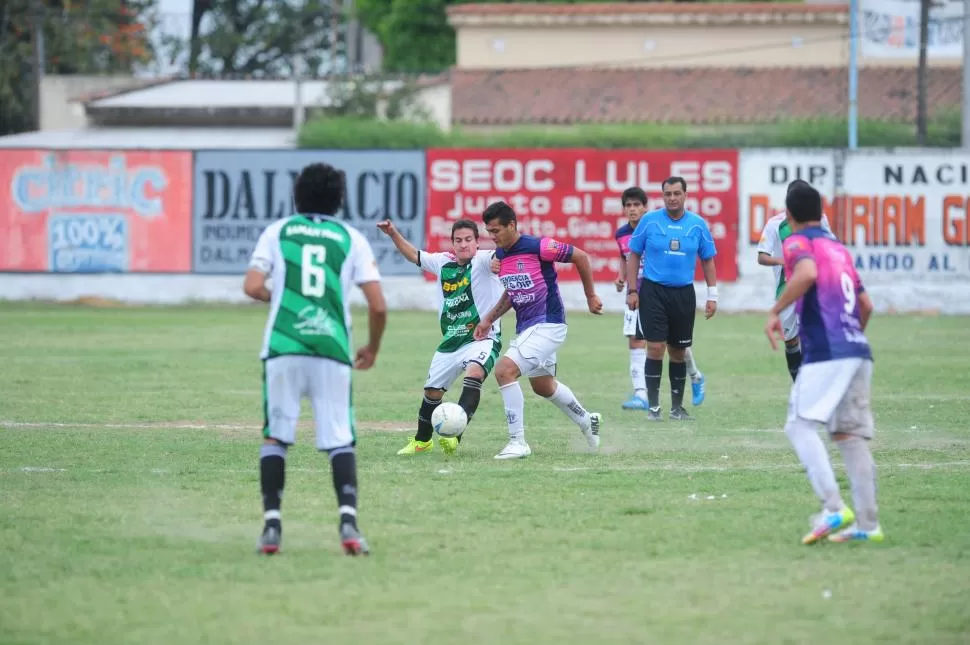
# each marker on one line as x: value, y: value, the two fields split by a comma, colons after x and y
x: 128, y: 474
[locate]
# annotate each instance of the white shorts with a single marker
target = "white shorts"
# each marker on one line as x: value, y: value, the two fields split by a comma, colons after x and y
x: 631, y: 324
x: 288, y: 379
x: 446, y: 366
x: 836, y: 393
x: 789, y: 322
x: 534, y: 350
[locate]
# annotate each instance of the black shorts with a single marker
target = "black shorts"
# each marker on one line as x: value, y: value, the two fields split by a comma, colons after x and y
x: 667, y: 314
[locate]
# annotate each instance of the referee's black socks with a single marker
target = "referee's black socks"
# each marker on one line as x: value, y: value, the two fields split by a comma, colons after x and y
x: 653, y: 371
x: 678, y: 378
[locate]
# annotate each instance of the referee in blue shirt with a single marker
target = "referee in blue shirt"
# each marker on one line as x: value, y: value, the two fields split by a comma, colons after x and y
x: 670, y: 240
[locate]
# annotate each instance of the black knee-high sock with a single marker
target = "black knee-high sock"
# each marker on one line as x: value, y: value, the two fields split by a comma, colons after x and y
x: 343, y: 467
x: 678, y: 378
x: 653, y: 370
x: 793, y: 356
x: 425, y: 431
x: 272, y: 479
x: 471, y: 394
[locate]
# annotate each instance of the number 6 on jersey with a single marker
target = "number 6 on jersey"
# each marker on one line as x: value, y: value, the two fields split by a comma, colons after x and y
x: 313, y: 282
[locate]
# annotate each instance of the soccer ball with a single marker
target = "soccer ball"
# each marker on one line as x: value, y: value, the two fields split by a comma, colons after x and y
x: 449, y: 419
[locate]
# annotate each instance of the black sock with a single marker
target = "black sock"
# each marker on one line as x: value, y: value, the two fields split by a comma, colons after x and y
x: 272, y: 478
x: 471, y: 394
x: 343, y: 467
x: 654, y: 369
x: 793, y: 355
x: 678, y: 378
x: 425, y: 431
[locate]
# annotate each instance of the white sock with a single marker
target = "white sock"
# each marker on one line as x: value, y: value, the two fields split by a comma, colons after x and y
x: 862, y: 475
x: 804, y: 438
x: 565, y: 400
x: 638, y: 361
x: 514, y: 409
x: 692, y: 370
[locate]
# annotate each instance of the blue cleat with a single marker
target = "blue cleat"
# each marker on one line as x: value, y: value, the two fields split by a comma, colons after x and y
x: 634, y: 403
x: 697, y: 387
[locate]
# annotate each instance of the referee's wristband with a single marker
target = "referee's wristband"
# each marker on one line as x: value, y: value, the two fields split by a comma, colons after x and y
x: 712, y: 294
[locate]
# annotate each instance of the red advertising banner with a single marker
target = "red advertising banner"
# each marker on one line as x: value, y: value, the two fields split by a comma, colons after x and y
x: 574, y: 195
x: 87, y: 211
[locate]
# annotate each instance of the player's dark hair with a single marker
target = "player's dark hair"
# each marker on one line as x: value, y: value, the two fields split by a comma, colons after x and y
x: 499, y: 211
x: 804, y: 203
x: 675, y: 180
x: 798, y: 182
x: 464, y: 223
x: 634, y: 194
x: 319, y: 189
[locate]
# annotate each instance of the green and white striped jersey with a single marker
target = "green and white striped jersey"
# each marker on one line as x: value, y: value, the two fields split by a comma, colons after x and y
x: 313, y: 262
x: 465, y: 294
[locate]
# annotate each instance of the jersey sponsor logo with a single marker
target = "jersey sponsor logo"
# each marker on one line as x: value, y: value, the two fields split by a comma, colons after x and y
x: 457, y: 300
x: 454, y: 285
x: 314, y: 321
x: 458, y: 330
x: 312, y: 231
x: 517, y: 281
x: 523, y: 298
x: 453, y: 316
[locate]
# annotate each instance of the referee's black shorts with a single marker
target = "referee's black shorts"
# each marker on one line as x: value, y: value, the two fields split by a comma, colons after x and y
x: 667, y: 313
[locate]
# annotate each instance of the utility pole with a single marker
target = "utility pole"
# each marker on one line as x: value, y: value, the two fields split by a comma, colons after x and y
x: 854, y: 74
x: 39, y: 57
x: 966, y: 73
x: 924, y: 20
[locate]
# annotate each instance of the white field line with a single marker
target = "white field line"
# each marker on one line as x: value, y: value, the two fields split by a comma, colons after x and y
x: 166, y: 425
x: 672, y: 468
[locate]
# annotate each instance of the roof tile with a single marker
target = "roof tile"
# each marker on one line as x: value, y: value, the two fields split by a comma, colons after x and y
x: 690, y: 95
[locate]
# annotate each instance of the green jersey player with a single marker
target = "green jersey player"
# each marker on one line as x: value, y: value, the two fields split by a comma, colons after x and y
x: 313, y: 259
x: 467, y: 289
x: 777, y: 230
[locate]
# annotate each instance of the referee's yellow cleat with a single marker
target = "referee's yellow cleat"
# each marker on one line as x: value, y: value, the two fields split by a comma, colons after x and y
x: 414, y: 447
x: 449, y: 445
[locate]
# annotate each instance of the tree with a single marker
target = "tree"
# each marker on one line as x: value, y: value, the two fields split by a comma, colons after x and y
x: 96, y: 37
x: 264, y: 37
x: 924, y: 23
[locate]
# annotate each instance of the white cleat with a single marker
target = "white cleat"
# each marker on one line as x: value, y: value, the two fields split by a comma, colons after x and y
x: 592, y: 433
x: 515, y: 449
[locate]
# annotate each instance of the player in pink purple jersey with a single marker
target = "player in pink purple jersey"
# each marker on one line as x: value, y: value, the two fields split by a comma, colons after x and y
x: 634, y: 201
x: 833, y: 385
x: 528, y: 273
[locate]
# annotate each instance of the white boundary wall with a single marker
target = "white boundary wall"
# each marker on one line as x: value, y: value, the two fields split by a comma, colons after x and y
x: 753, y: 294
x: 908, y: 226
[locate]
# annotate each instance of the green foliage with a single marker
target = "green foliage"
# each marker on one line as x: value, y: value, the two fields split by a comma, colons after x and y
x: 95, y: 37
x: 363, y: 133
x: 259, y: 38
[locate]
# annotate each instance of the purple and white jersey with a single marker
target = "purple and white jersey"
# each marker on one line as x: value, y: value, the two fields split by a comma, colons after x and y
x: 829, y: 311
x: 528, y: 274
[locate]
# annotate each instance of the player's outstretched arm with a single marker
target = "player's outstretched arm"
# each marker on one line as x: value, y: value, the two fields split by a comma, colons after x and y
x: 254, y: 285
x: 500, y: 309
x: 376, y: 322
x: 406, y: 248
x: 585, y: 269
